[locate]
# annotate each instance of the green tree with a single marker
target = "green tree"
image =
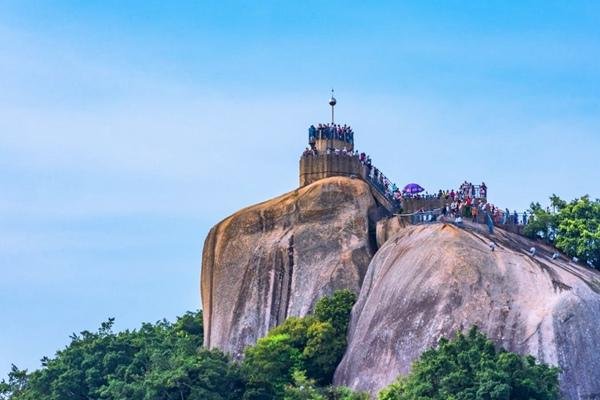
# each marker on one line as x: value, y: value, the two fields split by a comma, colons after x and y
x: 165, y: 361
x: 541, y: 225
x: 323, y: 351
x: 313, y: 345
x: 296, y: 328
x: 327, y: 337
x: 573, y: 227
x: 336, y: 310
x: 344, y: 393
x: 302, y: 388
x: 16, y: 384
x: 158, y: 361
x: 469, y: 367
x: 577, y: 232
x: 269, y: 364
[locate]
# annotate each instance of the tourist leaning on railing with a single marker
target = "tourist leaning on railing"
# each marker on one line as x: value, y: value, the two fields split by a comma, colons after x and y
x: 331, y: 131
x: 376, y: 177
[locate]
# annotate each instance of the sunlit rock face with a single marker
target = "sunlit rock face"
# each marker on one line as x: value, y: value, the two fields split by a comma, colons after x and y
x: 276, y: 259
x: 428, y: 281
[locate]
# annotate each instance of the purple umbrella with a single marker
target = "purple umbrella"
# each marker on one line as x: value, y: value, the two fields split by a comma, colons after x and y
x: 412, y: 188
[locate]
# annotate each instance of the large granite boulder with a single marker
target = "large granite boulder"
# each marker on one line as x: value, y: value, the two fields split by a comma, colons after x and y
x: 276, y: 259
x: 428, y: 281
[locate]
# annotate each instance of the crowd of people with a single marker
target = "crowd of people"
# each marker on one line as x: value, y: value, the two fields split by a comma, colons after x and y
x: 379, y: 180
x: 477, y: 209
x: 388, y: 188
x: 465, y: 191
x: 374, y: 175
x: 505, y: 217
x: 312, y: 151
x: 468, y: 201
x: 330, y: 131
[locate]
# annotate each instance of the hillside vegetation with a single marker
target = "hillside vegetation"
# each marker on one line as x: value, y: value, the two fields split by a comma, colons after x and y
x: 296, y: 360
x: 573, y: 227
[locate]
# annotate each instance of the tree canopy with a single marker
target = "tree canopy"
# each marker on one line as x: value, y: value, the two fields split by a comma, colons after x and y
x: 165, y: 361
x: 296, y: 360
x: 313, y: 345
x: 158, y: 361
x: 469, y: 367
x: 573, y: 227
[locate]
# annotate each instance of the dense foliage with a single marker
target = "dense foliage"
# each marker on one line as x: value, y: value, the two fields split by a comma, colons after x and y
x: 295, y: 361
x: 573, y: 227
x: 313, y: 345
x: 469, y: 367
x: 158, y: 361
x: 303, y: 388
x: 165, y: 361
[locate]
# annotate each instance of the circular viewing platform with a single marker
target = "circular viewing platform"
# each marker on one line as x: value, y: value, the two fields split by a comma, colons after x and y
x: 331, y: 136
x: 315, y: 166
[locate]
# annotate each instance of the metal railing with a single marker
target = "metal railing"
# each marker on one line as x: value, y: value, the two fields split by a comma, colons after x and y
x: 475, y: 192
x: 384, y: 192
x: 422, y: 217
x: 376, y: 180
x: 328, y: 132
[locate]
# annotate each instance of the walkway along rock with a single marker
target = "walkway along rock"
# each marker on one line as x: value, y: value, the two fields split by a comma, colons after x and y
x: 427, y: 281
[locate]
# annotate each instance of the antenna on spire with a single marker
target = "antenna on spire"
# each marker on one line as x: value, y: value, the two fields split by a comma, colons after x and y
x: 332, y: 103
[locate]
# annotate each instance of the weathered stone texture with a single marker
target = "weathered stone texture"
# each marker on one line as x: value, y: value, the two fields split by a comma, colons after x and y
x: 316, y: 167
x: 275, y: 259
x: 428, y: 281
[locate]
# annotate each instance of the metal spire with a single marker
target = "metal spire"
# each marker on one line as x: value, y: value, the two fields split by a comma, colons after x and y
x: 332, y: 103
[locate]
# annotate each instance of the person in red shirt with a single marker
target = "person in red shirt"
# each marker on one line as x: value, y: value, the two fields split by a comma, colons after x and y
x: 468, y: 207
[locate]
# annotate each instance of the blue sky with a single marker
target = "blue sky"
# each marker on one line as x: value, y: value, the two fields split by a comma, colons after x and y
x: 127, y: 129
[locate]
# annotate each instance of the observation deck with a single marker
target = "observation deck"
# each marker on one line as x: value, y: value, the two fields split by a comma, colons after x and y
x: 331, y: 153
x: 330, y: 136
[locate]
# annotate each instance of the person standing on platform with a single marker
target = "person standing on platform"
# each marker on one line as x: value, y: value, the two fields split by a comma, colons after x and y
x: 489, y: 222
